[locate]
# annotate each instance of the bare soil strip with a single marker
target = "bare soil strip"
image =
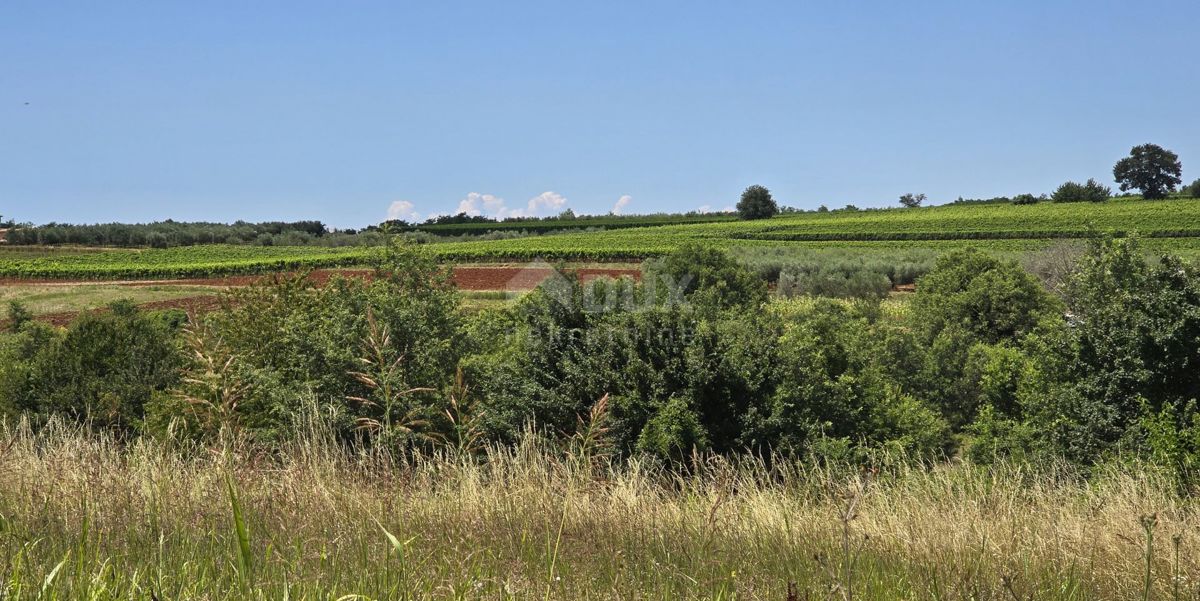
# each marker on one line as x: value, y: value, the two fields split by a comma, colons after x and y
x: 473, y: 278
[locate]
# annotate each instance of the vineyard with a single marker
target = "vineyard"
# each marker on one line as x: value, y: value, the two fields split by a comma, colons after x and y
x: 1165, y: 226
x: 192, y: 261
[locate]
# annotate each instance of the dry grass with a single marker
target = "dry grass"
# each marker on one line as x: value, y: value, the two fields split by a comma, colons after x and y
x: 82, y: 516
x: 48, y: 298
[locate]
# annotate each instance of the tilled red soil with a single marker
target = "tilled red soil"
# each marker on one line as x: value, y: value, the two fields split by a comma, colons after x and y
x: 466, y: 278
x: 475, y: 278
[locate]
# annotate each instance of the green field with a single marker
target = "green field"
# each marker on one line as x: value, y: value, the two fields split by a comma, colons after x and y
x: 1166, y: 226
x: 183, y: 261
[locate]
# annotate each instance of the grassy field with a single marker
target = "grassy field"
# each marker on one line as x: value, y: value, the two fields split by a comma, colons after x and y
x: 83, y: 517
x: 1166, y: 226
x: 42, y: 299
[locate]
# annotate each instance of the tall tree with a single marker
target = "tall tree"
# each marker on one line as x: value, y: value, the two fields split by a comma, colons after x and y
x: 911, y: 200
x: 1150, y: 168
x: 756, y: 203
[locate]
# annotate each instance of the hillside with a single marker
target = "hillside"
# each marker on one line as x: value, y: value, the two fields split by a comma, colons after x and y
x: 1165, y: 225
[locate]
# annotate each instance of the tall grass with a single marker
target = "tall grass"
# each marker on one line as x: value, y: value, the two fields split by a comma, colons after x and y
x: 84, y: 516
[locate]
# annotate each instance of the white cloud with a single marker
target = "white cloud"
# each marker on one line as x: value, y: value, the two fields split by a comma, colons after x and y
x: 622, y: 202
x: 403, y: 209
x: 704, y: 209
x: 546, y: 203
x: 710, y: 209
x: 550, y: 200
x: 480, y: 204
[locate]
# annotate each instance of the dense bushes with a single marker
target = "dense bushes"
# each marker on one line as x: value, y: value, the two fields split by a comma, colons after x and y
x: 982, y: 361
x: 1122, y: 376
x: 990, y: 300
x: 375, y: 354
x: 1027, y: 199
x: 104, y: 368
x: 709, y: 277
x: 1092, y: 191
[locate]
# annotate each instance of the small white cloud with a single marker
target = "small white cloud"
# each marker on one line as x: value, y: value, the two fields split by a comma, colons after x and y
x: 622, y: 202
x: 490, y: 205
x: 728, y: 209
x: 403, y: 209
x: 480, y: 204
x: 549, y: 200
x: 704, y: 209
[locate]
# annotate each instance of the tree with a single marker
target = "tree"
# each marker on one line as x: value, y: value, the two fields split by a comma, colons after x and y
x: 1193, y: 190
x: 18, y: 316
x: 105, y: 367
x: 1135, y: 324
x: 756, y: 203
x: 1092, y: 191
x: 990, y: 299
x: 911, y: 200
x: 971, y: 313
x: 709, y: 277
x: 1150, y: 168
x: 157, y: 240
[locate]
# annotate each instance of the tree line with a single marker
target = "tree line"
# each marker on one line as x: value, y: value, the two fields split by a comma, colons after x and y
x: 163, y: 234
x: 1152, y: 170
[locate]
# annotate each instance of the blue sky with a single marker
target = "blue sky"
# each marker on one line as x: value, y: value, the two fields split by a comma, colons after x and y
x: 339, y: 111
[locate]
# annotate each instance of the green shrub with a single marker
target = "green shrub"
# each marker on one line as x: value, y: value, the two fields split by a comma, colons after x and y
x: 18, y: 316
x: 1092, y: 191
x: 995, y: 436
x: 104, y: 368
x: 992, y: 300
x: 831, y: 384
x: 673, y: 433
x: 1136, y: 326
x: 708, y: 277
x: 311, y: 340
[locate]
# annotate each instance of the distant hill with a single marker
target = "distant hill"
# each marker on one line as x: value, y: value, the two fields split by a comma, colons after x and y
x: 1170, y: 226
